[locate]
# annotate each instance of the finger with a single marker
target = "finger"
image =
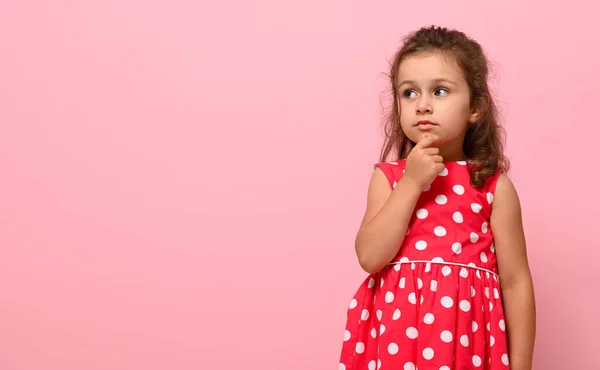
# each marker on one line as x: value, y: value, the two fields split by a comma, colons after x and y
x: 427, y: 141
x: 437, y: 158
x: 432, y: 151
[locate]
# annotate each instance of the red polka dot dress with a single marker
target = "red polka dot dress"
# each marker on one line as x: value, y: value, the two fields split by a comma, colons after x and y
x: 438, y: 304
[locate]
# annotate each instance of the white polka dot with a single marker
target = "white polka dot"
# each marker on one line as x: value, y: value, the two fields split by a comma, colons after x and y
x: 427, y: 267
x: 393, y: 162
x: 421, y: 245
x: 409, y: 366
x: 342, y: 367
x: 490, y: 197
x: 353, y: 303
x: 444, y: 368
x: 372, y: 365
x: 465, y: 305
x: 381, y: 329
x: 464, y: 340
x: 488, y: 326
x: 446, y: 270
x: 389, y: 297
x: 458, y: 189
x: 397, y: 314
x: 379, y: 315
x: 371, y: 283
x: 397, y: 267
x: 429, y: 319
x: 476, y: 361
x: 446, y: 336
x: 422, y: 299
x: 412, y: 333
x: 484, y: 227
x: 493, y: 248
x: 457, y: 248
x: 360, y: 347
x: 496, y: 294
x: 486, y: 291
x: 444, y: 172
x: 472, y: 292
x: 505, y: 359
x: 427, y: 188
x: 346, y: 335
x: 381, y: 282
x: 502, y: 325
x: 378, y: 364
x: 478, y: 274
x: 483, y: 257
x: 433, y: 286
x: 464, y: 272
x: 374, y: 333
x: 447, y: 302
x: 441, y: 199
x: 476, y: 207
x: 419, y: 283
x: 395, y: 184
x: 428, y: 353
x: 365, y: 315
x: 402, y: 283
x: 492, y: 341
x: 438, y: 260
x: 462, y: 163
x: 474, y: 326
x: 412, y: 298
x: 474, y: 237
x: 422, y: 213
x: 458, y: 217
x: 439, y: 231
x: 413, y: 266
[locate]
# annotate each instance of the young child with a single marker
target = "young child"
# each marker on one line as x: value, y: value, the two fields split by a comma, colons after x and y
x: 442, y: 236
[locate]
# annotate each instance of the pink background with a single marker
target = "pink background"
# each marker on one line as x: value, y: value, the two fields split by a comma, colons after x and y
x: 182, y: 181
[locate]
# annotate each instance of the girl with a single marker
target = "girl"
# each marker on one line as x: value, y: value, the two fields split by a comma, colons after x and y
x: 442, y: 236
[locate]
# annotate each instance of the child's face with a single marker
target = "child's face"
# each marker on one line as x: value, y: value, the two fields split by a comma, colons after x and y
x: 433, y: 88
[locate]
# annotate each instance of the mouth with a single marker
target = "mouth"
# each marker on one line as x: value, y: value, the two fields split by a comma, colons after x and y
x: 424, y: 125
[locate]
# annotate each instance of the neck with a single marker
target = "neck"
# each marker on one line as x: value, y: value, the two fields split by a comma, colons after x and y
x: 452, y: 151
x: 453, y: 157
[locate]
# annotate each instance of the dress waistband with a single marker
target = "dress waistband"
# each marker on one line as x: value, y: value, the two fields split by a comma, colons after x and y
x: 404, y: 262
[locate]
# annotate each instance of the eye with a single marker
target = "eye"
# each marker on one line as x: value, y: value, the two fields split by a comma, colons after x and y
x: 440, y: 91
x: 409, y: 94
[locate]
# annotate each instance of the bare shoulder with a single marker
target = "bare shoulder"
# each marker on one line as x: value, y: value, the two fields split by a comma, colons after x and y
x: 506, y: 197
x: 378, y: 193
x: 509, y: 236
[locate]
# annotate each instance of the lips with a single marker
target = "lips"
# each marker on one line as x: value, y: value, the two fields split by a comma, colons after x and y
x: 426, y: 123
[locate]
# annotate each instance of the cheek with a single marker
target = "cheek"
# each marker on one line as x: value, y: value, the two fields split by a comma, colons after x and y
x: 458, y: 111
x: 405, y: 110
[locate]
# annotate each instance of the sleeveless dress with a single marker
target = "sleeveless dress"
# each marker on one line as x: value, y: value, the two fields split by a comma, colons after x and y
x: 438, y: 304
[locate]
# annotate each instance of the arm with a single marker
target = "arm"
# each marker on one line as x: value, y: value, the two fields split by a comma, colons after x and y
x: 385, y: 221
x: 515, y: 278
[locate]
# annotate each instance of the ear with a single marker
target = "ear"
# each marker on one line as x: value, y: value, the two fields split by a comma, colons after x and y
x: 475, y: 115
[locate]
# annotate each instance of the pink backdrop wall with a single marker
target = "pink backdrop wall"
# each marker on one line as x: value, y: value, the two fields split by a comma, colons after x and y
x: 182, y: 181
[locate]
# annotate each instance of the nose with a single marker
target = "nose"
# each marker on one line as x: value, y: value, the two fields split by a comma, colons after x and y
x: 424, y: 105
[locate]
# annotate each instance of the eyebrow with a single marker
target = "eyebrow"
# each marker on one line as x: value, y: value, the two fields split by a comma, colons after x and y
x: 437, y: 81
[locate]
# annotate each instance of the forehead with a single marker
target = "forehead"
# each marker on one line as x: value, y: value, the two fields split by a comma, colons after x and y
x: 421, y: 68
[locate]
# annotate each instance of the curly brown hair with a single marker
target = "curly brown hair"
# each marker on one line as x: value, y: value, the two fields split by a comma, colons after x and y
x: 484, y: 140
